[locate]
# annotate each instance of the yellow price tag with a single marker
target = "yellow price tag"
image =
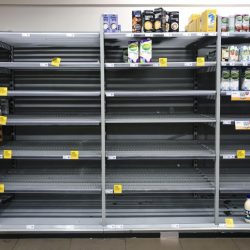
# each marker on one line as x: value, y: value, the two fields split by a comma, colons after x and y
x: 3, y: 120
x: 74, y: 155
x: 163, y: 62
x: 200, y: 61
x: 241, y: 154
x: 3, y: 91
x: 229, y: 222
x: 56, y: 61
x: 7, y: 154
x: 1, y: 188
x: 117, y: 188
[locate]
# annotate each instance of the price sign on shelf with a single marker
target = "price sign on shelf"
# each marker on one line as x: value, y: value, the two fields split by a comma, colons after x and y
x: 242, y: 125
x: 3, y: 120
x: 228, y: 156
x: 3, y: 91
x: 74, y: 155
x: 7, y: 154
x: 241, y: 154
x: 117, y: 188
x: 163, y: 62
x: 1, y: 188
x: 229, y: 222
x: 56, y: 62
x: 240, y: 96
x: 200, y: 61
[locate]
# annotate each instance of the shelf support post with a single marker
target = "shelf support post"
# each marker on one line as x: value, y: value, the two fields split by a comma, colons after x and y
x: 217, y: 127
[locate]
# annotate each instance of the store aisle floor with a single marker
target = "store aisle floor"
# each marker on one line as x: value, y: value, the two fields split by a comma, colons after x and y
x: 126, y: 244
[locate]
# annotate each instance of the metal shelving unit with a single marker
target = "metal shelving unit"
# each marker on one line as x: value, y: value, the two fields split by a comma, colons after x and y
x: 165, y: 135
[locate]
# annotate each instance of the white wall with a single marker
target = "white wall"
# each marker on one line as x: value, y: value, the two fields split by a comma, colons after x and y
x: 79, y: 15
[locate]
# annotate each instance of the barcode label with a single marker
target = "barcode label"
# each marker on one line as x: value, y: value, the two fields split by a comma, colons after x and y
x: 200, y: 34
x: 110, y: 94
x: 187, y: 34
x: 188, y: 64
x: 44, y: 65
x: 175, y: 225
x: 149, y: 35
x: 112, y: 157
x: 228, y: 156
x: 232, y: 63
x: 110, y: 65
x: 70, y: 35
x: 227, y: 122
x: 245, y: 63
x: 129, y: 35
x: 115, y: 226
x: 25, y: 34
x: 109, y: 191
x: 66, y: 157
x: 225, y: 34
x: 168, y: 34
x: 30, y: 227
x: 133, y: 64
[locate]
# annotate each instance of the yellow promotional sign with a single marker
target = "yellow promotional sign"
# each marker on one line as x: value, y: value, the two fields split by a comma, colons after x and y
x: 241, y: 154
x: 3, y: 120
x: 117, y: 188
x: 74, y: 155
x: 229, y: 222
x: 56, y: 61
x: 200, y: 61
x: 163, y: 62
x: 3, y: 91
x: 1, y: 188
x: 7, y: 154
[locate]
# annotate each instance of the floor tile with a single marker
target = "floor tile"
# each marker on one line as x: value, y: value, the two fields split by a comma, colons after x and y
x: 242, y: 243
x: 208, y: 244
x: 97, y: 244
x: 43, y: 244
x: 152, y: 244
x: 7, y: 244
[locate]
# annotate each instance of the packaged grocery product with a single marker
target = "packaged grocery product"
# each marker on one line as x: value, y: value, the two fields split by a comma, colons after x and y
x: 246, y: 80
x: 105, y: 18
x: 225, y: 80
x: 113, y: 22
x: 224, y: 24
x: 247, y: 209
x: 208, y: 21
x: 233, y: 53
x: 235, y: 79
x: 238, y: 23
x: 167, y: 29
x: 245, y: 23
x: 159, y: 20
x: 148, y: 21
x: 231, y: 24
x: 225, y: 54
x: 174, y: 21
x: 244, y: 53
x: 136, y: 21
x: 133, y: 51
x: 146, y: 50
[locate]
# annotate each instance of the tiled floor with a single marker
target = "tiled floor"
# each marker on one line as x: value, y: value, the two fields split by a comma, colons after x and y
x: 126, y: 244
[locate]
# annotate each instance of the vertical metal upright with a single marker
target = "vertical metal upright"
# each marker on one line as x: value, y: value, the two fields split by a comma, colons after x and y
x: 217, y: 127
x: 103, y: 127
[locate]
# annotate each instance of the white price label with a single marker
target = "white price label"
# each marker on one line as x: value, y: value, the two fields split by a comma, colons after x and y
x: 200, y: 34
x: 110, y: 65
x: 232, y: 63
x: 44, y: 65
x: 30, y: 227
x: 112, y: 157
x: 223, y: 225
x: 228, y: 156
x: 149, y: 35
x: 133, y: 64
x: 188, y: 64
x: 129, y: 35
x: 187, y: 34
x: 175, y: 225
x: 155, y: 65
x: 115, y: 226
x: 1, y: 156
x: 66, y: 157
x: 223, y: 64
x: 245, y: 63
x: 109, y: 191
x: 25, y: 34
x: 212, y: 34
x: 70, y: 35
x: 228, y: 93
x: 227, y: 122
x: 110, y: 94
x: 242, y: 125
x: 168, y: 34
x: 225, y: 34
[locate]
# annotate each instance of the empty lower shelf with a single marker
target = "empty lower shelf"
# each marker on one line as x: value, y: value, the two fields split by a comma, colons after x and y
x: 162, y: 179
x: 51, y: 180
x: 52, y: 150
x: 18, y: 120
x: 229, y: 149
x: 159, y: 149
x: 158, y: 118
